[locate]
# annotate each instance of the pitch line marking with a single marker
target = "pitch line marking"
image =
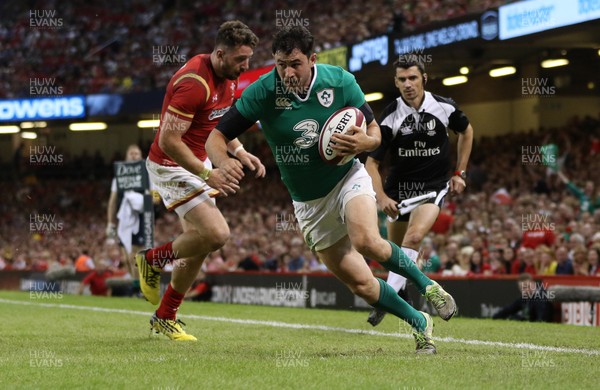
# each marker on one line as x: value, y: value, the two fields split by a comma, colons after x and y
x: 277, y: 324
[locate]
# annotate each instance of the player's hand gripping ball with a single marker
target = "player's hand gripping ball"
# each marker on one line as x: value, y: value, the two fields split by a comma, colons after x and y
x: 339, y: 123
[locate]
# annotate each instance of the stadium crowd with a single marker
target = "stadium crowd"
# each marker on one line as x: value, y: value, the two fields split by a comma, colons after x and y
x: 135, y: 45
x: 516, y: 216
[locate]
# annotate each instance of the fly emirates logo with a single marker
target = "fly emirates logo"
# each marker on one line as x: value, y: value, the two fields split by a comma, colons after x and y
x: 420, y: 150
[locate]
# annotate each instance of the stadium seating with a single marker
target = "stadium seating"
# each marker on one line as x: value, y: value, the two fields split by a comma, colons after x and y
x: 111, y: 49
x: 264, y: 230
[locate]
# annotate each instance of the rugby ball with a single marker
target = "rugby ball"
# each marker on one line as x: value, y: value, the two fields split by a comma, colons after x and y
x: 338, y: 123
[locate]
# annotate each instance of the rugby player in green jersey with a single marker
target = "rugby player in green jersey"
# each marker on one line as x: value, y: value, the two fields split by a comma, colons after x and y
x: 334, y: 205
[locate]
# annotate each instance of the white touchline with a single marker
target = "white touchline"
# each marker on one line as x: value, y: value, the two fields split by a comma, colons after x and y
x: 278, y: 324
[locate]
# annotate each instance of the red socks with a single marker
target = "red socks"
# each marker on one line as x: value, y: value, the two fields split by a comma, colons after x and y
x: 161, y: 255
x: 169, y: 304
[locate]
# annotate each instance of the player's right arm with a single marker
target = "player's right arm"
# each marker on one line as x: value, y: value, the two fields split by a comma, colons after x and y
x: 111, y: 213
x: 385, y: 203
x: 170, y: 141
x: 231, y: 125
x: 239, y: 118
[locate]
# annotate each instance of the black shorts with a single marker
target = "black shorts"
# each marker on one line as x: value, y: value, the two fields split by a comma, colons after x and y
x: 412, y: 189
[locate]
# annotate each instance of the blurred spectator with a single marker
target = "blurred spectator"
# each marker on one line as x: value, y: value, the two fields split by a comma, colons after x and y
x: 564, y: 263
x: 496, y: 262
x: 580, y: 263
x: 533, y: 238
x: 449, y: 256
x: 84, y: 262
x: 97, y: 279
x: 548, y: 263
x: 463, y: 266
x: 593, y: 256
x: 533, y: 305
x: 200, y: 290
x: 444, y: 221
x: 508, y: 257
x: 588, y: 202
x: 478, y: 265
x: 296, y: 260
x: 214, y: 263
x: 430, y: 261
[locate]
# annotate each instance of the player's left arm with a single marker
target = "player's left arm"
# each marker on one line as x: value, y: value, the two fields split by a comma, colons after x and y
x: 236, y: 149
x: 230, y: 126
x: 459, y: 123
x: 464, y: 146
x: 357, y: 140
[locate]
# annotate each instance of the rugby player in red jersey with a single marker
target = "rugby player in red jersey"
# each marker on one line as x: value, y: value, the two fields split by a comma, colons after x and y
x: 198, y: 94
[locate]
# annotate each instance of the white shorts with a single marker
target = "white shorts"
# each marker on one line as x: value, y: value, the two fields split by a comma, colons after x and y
x: 179, y: 189
x: 322, y: 220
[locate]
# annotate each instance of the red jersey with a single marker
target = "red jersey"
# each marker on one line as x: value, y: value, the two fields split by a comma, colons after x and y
x: 197, y: 95
x: 97, y: 282
x: 443, y: 223
x: 534, y: 238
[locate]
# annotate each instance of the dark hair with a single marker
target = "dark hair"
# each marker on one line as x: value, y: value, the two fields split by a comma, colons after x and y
x: 524, y: 276
x: 290, y: 38
x: 235, y: 33
x: 405, y: 61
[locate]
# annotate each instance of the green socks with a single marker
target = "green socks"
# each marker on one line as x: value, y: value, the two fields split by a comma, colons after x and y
x: 390, y: 302
x: 400, y: 263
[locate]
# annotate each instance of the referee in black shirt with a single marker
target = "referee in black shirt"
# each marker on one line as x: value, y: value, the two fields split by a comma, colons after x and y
x: 414, y: 129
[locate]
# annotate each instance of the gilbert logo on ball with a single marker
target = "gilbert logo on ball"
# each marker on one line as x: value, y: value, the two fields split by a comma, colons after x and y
x: 339, y: 123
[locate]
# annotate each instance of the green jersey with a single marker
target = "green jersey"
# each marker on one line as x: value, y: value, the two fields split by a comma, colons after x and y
x: 292, y: 126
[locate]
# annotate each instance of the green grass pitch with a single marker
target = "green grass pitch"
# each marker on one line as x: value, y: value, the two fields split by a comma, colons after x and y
x: 69, y: 342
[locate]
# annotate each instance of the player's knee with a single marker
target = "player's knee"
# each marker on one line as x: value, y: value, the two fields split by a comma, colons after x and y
x: 364, y: 288
x: 218, y: 237
x: 413, y: 239
x: 368, y: 246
